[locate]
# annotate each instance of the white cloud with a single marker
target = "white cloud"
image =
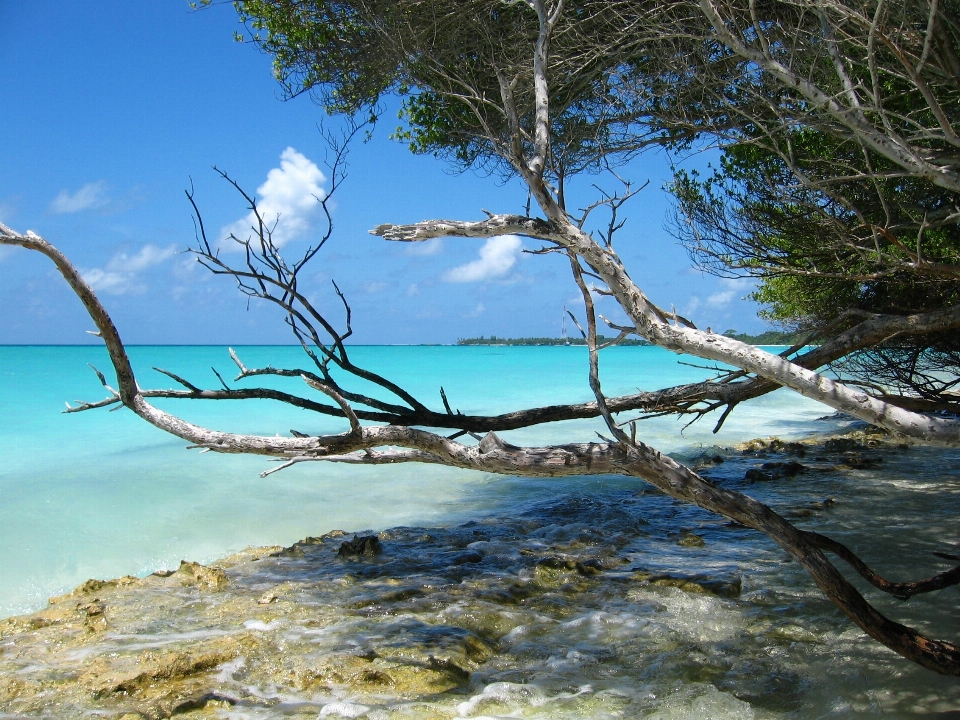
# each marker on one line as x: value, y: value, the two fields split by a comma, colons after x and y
x: 90, y: 196
x: 497, y: 256
x: 425, y: 248
x: 721, y: 298
x: 734, y: 287
x: 476, y: 312
x: 413, y: 290
x: 289, y: 197
x: 120, y: 275
x: 375, y: 287
x: 692, y: 304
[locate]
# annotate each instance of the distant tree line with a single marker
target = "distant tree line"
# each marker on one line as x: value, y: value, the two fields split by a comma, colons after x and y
x: 494, y: 340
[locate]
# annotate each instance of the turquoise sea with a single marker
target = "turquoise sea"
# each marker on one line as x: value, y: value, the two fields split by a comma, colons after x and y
x: 102, y: 494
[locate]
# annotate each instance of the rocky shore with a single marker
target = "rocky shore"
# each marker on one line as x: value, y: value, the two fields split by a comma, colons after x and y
x: 616, y: 603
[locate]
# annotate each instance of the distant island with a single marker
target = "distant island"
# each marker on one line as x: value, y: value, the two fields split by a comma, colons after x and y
x: 770, y: 337
x: 494, y: 340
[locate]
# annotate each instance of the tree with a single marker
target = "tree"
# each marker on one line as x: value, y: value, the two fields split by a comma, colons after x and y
x: 815, y: 200
x: 539, y: 89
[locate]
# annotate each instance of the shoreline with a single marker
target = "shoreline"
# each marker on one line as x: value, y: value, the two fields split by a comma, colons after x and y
x: 429, y: 622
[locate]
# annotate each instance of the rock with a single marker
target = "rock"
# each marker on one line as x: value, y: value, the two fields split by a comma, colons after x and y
x: 752, y: 446
x: 695, y: 584
x: 191, y: 574
x: 688, y: 539
x: 755, y: 475
x: 91, y: 587
x: 841, y: 444
x: 793, y: 633
x: 250, y: 554
x: 130, y: 674
x: 393, y: 596
x: 361, y: 546
x: 584, y: 567
x: 268, y: 597
x: 781, y: 469
x: 793, y: 448
x: 859, y: 462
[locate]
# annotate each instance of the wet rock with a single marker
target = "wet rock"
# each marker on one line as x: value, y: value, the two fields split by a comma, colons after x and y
x: 841, y: 444
x: 250, y: 554
x: 756, y: 475
x: 781, y: 469
x: 793, y: 448
x: 361, y: 546
x: 752, y: 447
x: 688, y: 539
x: 377, y: 676
x: 268, y: 597
x: 191, y: 574
x: 861, y: 462
x: 696, y: 584
x: 129, y: 674
x: 793, y: 633
x: 583, y: 567
x: 91, y: 587
x: 394, y: 596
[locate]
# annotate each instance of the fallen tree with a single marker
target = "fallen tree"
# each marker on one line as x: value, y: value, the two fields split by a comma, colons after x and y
x: 492, y: 74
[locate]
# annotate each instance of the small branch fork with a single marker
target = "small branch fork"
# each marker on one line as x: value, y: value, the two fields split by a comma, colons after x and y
x: 627, y: 456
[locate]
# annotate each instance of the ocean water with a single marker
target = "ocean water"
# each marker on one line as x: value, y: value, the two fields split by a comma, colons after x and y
x: 103, y: 494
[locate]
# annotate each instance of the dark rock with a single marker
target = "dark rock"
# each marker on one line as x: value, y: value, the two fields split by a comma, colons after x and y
x: 780, y: 469
x: 755, y: 475
x: 589, y: 567
x: 859, y: 462
x: 717, y: 459
x: 556, y: 563
x: 467, y: 557
x: 841, y: 444
x: 795, y: 449
x: 688, y: 539
x: 695, y: 584
x: 361, y: 546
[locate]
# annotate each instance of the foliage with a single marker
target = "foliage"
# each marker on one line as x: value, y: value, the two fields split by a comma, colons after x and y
x: 456, y: 65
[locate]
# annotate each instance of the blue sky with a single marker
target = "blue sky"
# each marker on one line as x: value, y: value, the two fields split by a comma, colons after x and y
x: 111, y: 108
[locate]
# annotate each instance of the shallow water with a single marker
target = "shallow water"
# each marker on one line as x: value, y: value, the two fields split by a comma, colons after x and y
x: 103, y: 494
x: 592, y: 603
